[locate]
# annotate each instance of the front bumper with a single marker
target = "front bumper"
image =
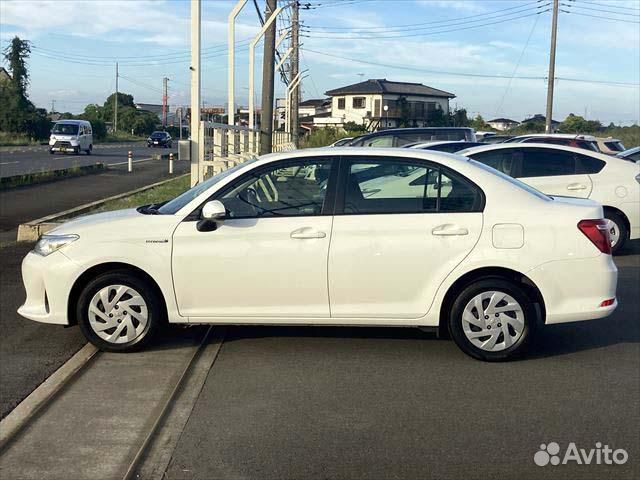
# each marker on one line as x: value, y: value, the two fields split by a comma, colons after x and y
x: 574, y: 289
x: 47, y: 281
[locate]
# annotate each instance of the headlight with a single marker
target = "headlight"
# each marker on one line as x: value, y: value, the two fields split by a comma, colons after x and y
x: 50, y: 243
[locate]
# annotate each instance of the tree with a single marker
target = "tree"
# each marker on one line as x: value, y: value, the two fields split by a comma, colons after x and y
x: 577, y: 124
x: 478, y: 123
x: 18, y: 115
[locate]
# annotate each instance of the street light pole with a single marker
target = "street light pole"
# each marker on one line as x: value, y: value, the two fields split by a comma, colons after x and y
x: 552, y: 67
x: 231, y: 42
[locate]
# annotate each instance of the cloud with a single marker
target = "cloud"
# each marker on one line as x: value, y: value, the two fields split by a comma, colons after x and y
x: 469, y: 6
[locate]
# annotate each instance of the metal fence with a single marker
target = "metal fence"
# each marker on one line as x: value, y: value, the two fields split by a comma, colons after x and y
x: 224, y: 146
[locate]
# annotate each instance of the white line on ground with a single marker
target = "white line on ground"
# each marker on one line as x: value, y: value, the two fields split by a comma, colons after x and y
x: 7, y: 163
x: 132, y: 161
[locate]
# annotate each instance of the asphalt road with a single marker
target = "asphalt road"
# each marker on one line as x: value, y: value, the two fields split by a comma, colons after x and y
x: 331, y: 403
x: 21, y: 160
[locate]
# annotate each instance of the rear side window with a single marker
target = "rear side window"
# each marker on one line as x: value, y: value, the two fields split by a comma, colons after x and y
x: 380, y: 141
x: 546, y: 163
x: 374, y: 186
x: 615, y: 146
x: 503, y: 160
x: 589, y: 165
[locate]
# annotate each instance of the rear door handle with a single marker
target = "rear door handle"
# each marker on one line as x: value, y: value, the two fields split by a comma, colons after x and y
x: 449, y: 230
x: 576, y: 186
x: 306, y: 233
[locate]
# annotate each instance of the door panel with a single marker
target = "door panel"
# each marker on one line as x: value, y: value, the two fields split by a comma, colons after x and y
x: 563, y: 185
x: 253, y: 267
x: 404, y: 227
x: 391, y: 265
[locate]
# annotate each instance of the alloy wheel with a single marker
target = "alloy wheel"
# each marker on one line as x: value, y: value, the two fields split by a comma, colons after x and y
x: 614, y: 231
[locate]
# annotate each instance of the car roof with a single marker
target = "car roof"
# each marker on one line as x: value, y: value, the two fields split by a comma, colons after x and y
x: 628, y: 152
x: 410, y: 130
x: 572, y: 136
x: 72, y: 122
x: 549, y: 146
x: 607, y: 139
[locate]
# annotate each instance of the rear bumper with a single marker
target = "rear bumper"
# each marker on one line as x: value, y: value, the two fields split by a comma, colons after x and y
x: 574, y: 289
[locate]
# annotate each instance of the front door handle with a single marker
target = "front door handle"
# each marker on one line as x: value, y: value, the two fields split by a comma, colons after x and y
x: 449, y: 230
x: 576, y: 186
x: 306, y: 233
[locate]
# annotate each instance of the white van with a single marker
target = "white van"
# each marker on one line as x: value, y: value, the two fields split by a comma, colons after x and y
x: 73, y: 136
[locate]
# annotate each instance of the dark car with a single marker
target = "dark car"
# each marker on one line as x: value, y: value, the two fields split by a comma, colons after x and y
x: 632, y: 155
x: 448, y: 147
x: 491, y: 139
x: 398, y: 137
x: 159, y: 139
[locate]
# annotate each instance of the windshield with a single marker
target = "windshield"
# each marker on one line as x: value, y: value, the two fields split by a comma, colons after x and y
x: 158, y: 135
x: 173, y: 206
x: 511, y: 180
x: 65, y: 129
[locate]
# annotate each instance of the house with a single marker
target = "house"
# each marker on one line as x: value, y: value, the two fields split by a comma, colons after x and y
x: 314, y: 106
x: 4, y: 75
x: 502, y: 123
x: 382, y: 103
x: 151, y: 107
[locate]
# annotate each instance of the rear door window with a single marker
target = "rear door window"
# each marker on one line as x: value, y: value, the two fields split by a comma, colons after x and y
x: 546, y: 163
x: 588, y: 165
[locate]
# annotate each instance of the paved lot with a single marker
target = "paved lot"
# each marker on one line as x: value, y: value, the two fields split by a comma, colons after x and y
x: 21, y: 160
x: 396, y: 403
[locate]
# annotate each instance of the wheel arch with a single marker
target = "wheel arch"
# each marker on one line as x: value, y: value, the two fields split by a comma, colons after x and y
x: 99, y: 269
x: 489, y: 272
x: 618, y: 212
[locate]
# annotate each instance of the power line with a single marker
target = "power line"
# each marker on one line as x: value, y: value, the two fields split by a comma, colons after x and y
x: 515, y: 70
x: 573, y: 5
x: 472, y: 75
x: 610, y: 6
x: 465, y: 19
x: 601, y: 17
x: 382, y: 37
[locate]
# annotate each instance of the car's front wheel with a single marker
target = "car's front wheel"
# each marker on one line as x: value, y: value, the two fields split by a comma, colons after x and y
x: 493, y: 319
x: 119, y: 311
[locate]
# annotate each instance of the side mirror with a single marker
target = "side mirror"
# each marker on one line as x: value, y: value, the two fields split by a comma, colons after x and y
x: 212, y: 213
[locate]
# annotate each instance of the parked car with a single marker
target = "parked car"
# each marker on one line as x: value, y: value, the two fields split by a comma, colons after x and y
x: 567, y: 171
x: 71, y: 136
x: 342, y: 142
x: 334, y: 236
x: 633, y: 154
x: 497, y: 139
x: 586, y: 142
x: 609, y: 145
x: 444, y: 146
x: 397, y: 137
x: 481, y: 136
x: 159, y: 139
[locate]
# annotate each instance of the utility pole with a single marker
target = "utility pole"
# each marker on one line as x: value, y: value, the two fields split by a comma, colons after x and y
x: 165, y: 97
x: 552, y: 67
x: 53, y: 106
x: 268, y: 62
x: 295, y: 69
x: 115, y: 104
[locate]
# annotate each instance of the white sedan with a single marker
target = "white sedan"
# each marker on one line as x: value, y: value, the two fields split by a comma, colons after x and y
x: 336, y: 236
x: 575, y: 172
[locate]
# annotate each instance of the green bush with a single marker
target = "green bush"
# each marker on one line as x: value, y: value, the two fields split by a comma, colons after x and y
x: 322, y: 137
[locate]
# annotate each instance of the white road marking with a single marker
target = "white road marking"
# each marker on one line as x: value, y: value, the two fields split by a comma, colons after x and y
x: 7, y: 163
x: 132, y: 161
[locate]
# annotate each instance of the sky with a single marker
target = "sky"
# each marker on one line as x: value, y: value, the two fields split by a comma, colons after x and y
x: 492, y: 54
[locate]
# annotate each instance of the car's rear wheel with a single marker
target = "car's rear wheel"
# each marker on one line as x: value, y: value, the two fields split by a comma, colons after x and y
x: 618, y: 230
x: 119, y: 311
x: 89, y: 149
x: 493, y: 319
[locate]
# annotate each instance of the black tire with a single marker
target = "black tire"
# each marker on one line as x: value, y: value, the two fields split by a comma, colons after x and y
x: 51, y: 152
x: 623, y: 231
x: 155, y: 310
x: 519, y: 346
x: 89, y: 149
x: 76, y: 151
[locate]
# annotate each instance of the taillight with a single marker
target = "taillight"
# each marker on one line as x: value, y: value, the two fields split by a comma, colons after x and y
x: 598, y: 232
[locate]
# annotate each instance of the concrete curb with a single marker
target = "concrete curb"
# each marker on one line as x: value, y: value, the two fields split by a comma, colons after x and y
x: 25, y: 411
x: 30, y: 231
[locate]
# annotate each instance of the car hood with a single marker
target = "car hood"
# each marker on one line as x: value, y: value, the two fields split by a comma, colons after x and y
x: 119, y: 225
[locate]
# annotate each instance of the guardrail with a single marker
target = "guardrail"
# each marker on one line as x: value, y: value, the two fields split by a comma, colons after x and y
x: 224, y: 146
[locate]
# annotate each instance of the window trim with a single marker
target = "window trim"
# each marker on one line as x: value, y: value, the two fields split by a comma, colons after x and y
x: 344, y: 103
x: 330, y: 198
x: 364, y: 103
x: 346, y: 162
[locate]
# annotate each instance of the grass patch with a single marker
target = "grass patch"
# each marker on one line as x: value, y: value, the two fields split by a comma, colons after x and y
x: 48, y: 176
x: 323, y: 137
x: 16, y: 140
x: 115, y: 137
x: 157, y: 194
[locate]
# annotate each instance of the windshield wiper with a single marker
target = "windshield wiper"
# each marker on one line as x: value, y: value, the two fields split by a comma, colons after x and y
x: 151, y: 209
